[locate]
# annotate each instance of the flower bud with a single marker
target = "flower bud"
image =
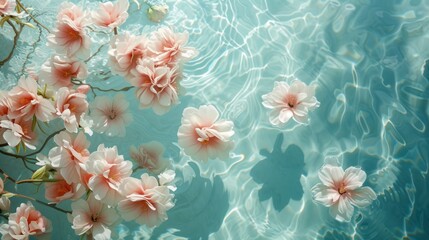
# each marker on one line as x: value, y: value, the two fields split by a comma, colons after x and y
x: 41, y: 173
x: 157, y: 12
x: 4, y: 203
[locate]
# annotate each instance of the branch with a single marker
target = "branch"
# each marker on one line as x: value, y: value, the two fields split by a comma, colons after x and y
x: 31, y: 16
x: 15, y: 41
x: 41, y: 202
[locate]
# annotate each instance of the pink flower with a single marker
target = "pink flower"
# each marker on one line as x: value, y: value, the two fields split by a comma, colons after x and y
x: 341, y: 190
x: 125, y: 52
x: 93, y: 217
x: 108, y: 169
x: 26, y: 103
x: 7, y: 7
x: 111, y: 15
x: 157, y: 86
x: 25, y: 222
x: 202, y: 135
x: 59, y: 71
x: 69, y: 37
x: 17, y: 131
x: 70, y: 155
x: 70, y: 106
x: 145, y: 201
x: 169, y: 47
x: 111, y: 115
x: 60, y: 190
x: 149, y: 156
x: 286, y: 102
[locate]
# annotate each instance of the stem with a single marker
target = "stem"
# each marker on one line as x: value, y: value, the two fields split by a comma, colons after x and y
x: 78, y: 82
x: 15, y: 41
x: 6, y: 176
x: 41, y: 202
x: 31, y: 16
x: 36, y: 181
x: 115, y: 31
x: 93, y: 55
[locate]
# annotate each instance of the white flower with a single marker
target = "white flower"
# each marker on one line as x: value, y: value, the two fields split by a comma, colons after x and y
x: 341, y: 190
x: 286, y: 102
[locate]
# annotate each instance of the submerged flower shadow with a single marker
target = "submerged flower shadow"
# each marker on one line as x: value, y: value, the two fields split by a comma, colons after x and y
x: 279, y: 173
x: 200, y: 207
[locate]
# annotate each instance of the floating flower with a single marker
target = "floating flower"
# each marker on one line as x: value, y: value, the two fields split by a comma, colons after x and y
x: 59, y: 71
x: 70, y: 155
x: 156, y: 13
x: 286, y: 102
x: 25, y: 222
x: 145, y: 201
x: 341, y: 190
x: 7, y: 7
x: 111, y: 15
x: 72, y: 12
x: 125, y: 52
x: 149, y: 156
x: 70, y: 106
x: 169, y: 47
x: 61, y: 190
x: 18, y: 130
x: 25, y: 103
x: 111, y: 115
x: 157, y: 86
x: 202, y: 135
x: 93, y: 217
x: 108, y: 169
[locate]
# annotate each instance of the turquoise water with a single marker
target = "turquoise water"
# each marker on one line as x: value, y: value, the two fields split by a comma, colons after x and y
x: 367, y: 59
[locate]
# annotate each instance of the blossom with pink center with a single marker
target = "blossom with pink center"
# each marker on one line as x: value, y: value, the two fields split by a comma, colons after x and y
x: 61, y: 190
x: 70, y: 155
x: 157, y: 86
x: 92, y: 217
x: 110, y: 115
x: 70, y: 106
x: 341, y: 190
x: 145, y: 201
x: 203, y: 135
x: 125, y: 52
x: 108, y: 169
x: 18, y: 130
x: 169, y: 47
x: 25, y: 103
x: 290, y: 101
x: 7, y: 7
x: 69, y: 37
x: 59, y: 71
x: 111, y: 15
x: 149, y: 156
x: 24, y: 223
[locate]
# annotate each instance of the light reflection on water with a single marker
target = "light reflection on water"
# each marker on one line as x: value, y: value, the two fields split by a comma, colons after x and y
x: 366, y: 57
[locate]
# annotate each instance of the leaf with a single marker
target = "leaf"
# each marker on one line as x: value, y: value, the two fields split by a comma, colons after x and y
x: 33, y: 123
x: 18, y: 147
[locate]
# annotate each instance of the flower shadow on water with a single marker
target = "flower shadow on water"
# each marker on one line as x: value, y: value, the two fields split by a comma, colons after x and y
x: 280, y: 173
x: 199, y: 210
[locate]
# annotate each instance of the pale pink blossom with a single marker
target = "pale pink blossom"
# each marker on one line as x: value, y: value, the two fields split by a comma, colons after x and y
x: 1, y: 186
x: 4, y: 109
x: 69, y: 37
x: 149, y: 156
x: 108, y: 169
x: 145, y: 201
x: 59, y: 71
x: 92, y: 217
x: 24, y: 223
x: 72, y: 12
x: 111, y: 14
x: 61, y: 190
x: 7, y: 7
x: 110, y: 115
x: 125, y: 52
x: 25, y: 103
x: 290, y: 101
x: 169, y: 48
x: 203, y: 135
x: 70, y: 106
x: 70, y: 155
x: 156, y: 86
x: 18, y: 130
x: 341, y: 190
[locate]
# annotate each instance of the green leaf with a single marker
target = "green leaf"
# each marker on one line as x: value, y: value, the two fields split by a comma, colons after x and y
x: 18, y: 147
x: 33, y: 123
